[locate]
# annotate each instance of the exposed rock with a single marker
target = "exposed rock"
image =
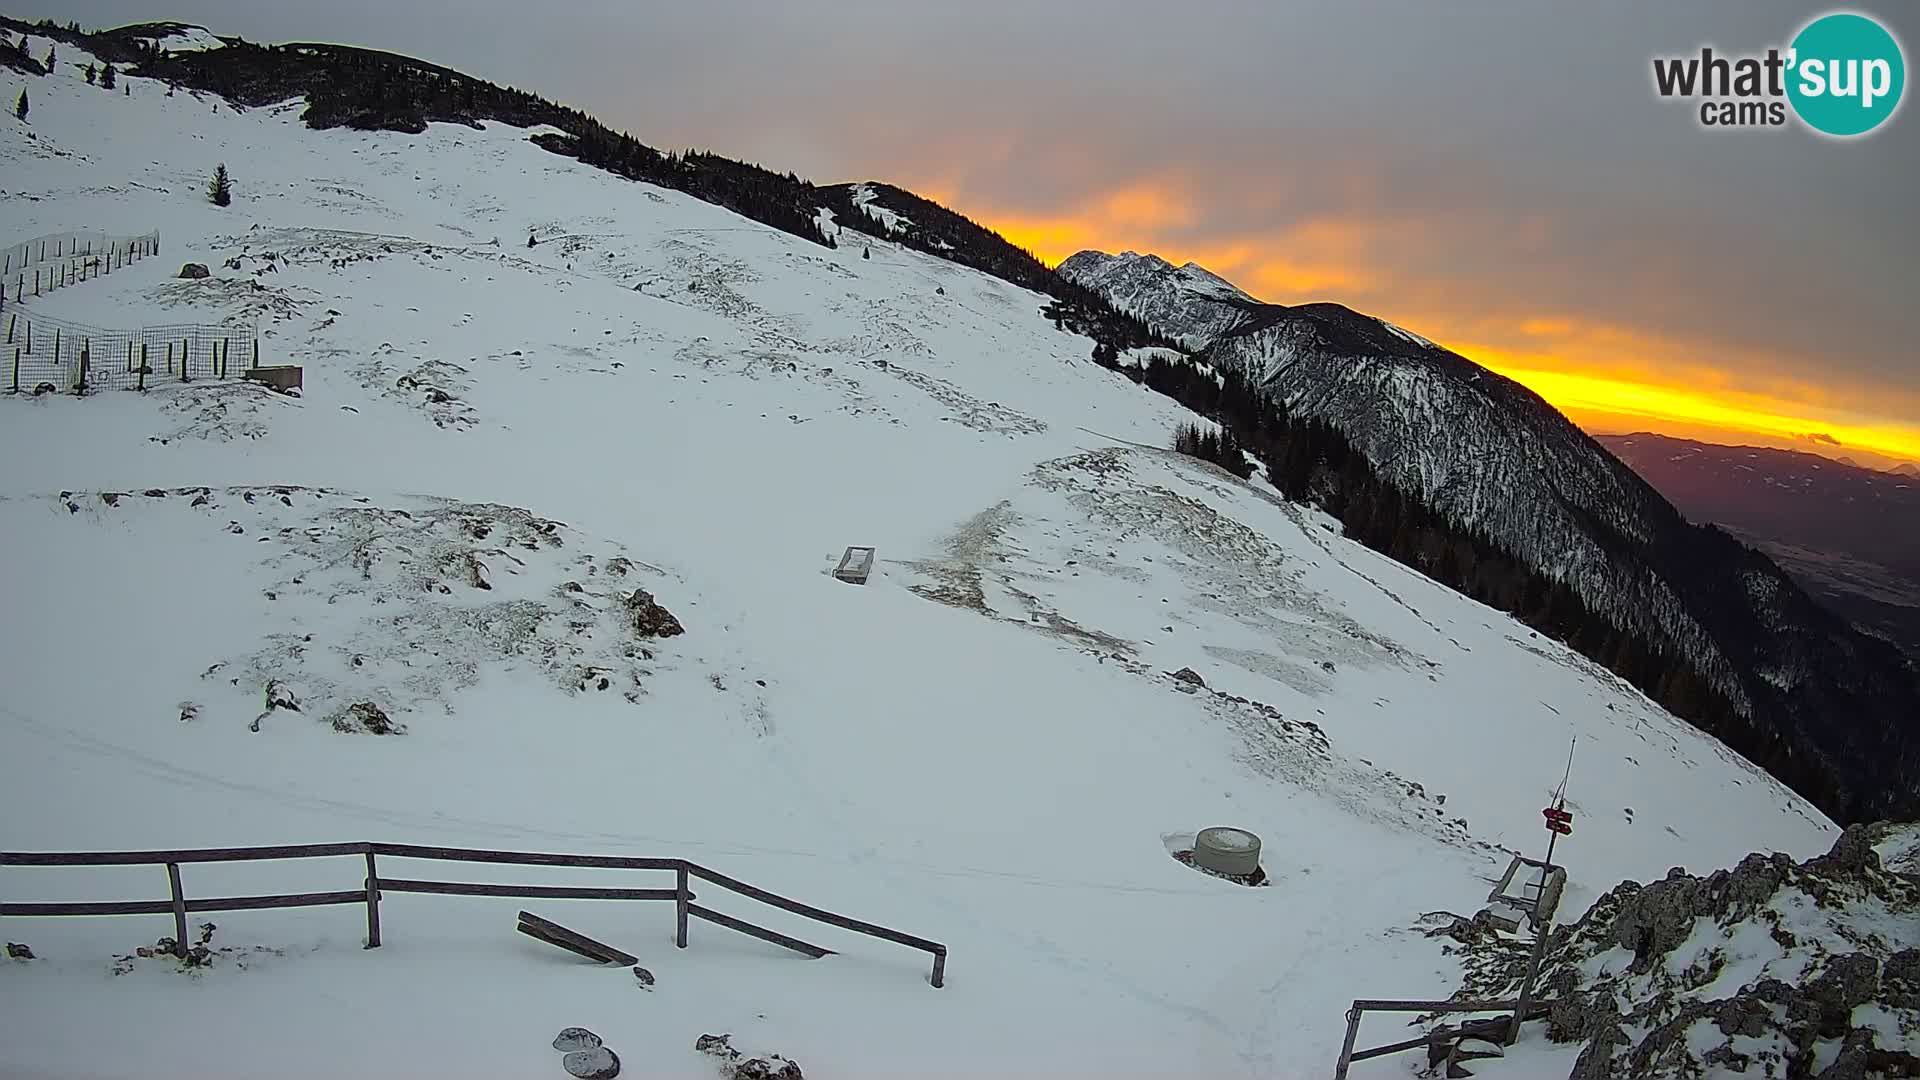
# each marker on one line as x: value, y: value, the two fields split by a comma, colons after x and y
x: 1651, y: 961
x: 643, y: 977
x: 772, y: 1067
x: 281, y: 696
x: 1188, y: 675
x: 17, y: 951
x: 366, y: 716
x: 1900, y: 980
x: 720, y: 1046
x: 648, y: 618
x: 195, y: 271
x: 575, y: 1038
x: 1848, y: 981
x: 598, y: 1063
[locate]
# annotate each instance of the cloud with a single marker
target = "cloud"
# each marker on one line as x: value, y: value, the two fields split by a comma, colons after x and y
x: 1818, y: 437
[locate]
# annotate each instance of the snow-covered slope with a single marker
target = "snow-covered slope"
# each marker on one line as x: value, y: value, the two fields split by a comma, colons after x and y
x: 1494, y: 458
x: 498, y: 446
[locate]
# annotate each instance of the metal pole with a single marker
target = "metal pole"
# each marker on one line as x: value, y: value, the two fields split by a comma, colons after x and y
x: 1526, y: 987
x: 939, y: 970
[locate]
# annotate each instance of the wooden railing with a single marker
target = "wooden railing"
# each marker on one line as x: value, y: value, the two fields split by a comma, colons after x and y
x: 179, y: 904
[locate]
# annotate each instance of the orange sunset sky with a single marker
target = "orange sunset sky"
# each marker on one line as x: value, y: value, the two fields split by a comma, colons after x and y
x: 1607, y: 377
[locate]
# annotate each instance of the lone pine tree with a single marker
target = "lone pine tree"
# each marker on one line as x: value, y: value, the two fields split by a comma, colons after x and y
x: 106, y: 77
x: 20, y: 107
x: 220, y: 188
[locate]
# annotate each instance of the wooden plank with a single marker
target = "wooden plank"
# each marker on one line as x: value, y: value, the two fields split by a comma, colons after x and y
x: 373, y: 903
x: 131, y: 907
x: 817, y: 914
x: 554, y: 934
x: 195, y: 855
x: 813, y: 951
x: 1391, y: 1005
x: 1390, y: 1048
x: 552, y: 892
x: 681, y: 897
x: 179, y: 911
x: 281, y: 900
x: 522, y: 858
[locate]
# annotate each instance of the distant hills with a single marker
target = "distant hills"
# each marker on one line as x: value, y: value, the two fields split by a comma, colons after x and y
x: 1850, y: 535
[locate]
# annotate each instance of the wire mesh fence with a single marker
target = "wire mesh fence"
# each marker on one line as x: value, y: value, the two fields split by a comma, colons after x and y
x: 54, y: 355
x: 37, y: 267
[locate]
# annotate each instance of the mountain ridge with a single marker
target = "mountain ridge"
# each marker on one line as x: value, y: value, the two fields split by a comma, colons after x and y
x: 1493, y: 456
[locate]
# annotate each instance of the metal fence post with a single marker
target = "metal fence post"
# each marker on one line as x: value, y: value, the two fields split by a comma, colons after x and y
x: 179, y: 911
x: 939, y: 969
x: 373, y: 902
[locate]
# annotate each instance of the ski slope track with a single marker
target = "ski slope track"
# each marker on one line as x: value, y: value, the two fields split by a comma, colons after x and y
x: 498, y: 445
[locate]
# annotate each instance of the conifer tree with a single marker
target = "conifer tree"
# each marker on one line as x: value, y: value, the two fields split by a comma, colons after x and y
x: 93, y: 76
x: 20, y: 107
x: 49, y: 70
x: 106, y: 77
x: 220, y: 189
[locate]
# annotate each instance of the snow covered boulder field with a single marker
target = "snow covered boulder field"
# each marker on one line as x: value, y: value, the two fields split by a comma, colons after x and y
x: 540, y: 559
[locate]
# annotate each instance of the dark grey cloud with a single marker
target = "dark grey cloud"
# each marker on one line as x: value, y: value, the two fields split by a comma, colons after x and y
x: 1516, y: 149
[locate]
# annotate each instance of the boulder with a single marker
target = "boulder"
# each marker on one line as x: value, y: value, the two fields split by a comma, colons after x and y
x: 195, y: 271
x: 1188, y: 675
x: 599, y: 1063
x: 648, y: 618
x: 574, y: 1039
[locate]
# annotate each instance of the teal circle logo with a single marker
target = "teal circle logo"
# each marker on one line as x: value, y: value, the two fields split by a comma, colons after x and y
x: 1847, y: 74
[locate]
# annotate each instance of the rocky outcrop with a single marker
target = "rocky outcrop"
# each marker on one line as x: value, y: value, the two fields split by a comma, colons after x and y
x: 648, y: 618
x: 1772, y: 968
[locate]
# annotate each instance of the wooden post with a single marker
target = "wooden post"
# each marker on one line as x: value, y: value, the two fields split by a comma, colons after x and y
x: 373, y: 903
x: 11, y: 321
x: 56, y: 345
x: 1346, y: 1050
x: 16, y: 369
x: 226, y: 355
x: 680, y: 898
x: 169, y: 357
x: 141, y: 383
x: 256, y: 350
x: 185, y: 356
x: 129, y: 357
x: 179, y: 911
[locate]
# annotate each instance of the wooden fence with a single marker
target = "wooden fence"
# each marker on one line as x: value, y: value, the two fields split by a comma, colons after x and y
x: 39, y: 266
x: 37, y: 351
x: 373, y: 885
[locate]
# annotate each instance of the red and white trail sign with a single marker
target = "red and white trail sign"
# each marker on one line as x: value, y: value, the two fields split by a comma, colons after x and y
x: 1558, y: 820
